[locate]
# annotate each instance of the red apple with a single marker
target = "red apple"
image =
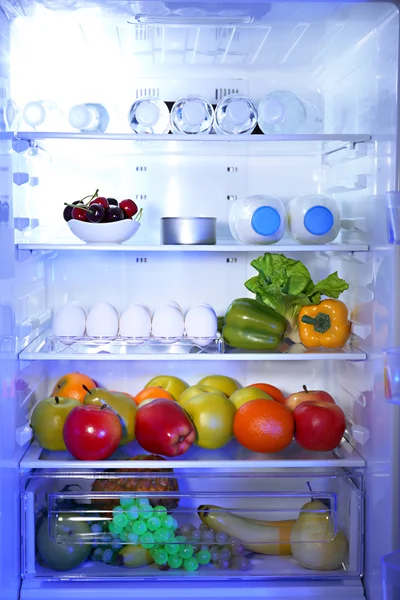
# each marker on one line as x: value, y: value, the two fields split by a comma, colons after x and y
x: 92, y: 432
x: 319, y: 425
x: 163, y: 427
x: 307, y: 396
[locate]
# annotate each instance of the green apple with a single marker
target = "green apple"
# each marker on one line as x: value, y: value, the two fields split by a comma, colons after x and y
x: 212, y: 416
x: 47, y: 421
x: 195, y: 390
x: 246, y: 394
x: 121, y: 404
x: 222, y: 383
x: 63, y: 552
x: 169, y: 383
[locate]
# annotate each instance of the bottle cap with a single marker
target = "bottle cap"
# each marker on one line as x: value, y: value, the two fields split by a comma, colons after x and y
x: 273, y: 111
x: 147, y: 113
x: 318, y: 220
x: 80, y: 116
x: 193, y: 112
x: 238, y: 112
x: 266, y: 220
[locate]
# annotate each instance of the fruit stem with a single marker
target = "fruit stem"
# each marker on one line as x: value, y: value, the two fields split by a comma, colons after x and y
x: 138, y: 215
x: 86, y: 389
x: 81, y: 206
x: 57, y: 400
x: 305, y: 389
x: 103, y: 406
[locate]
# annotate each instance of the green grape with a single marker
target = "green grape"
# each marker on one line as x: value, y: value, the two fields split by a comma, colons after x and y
x: 132, y: 513
x: 133, y: 538
x: 123, y: 536
x: 120, y: 520
x: 171, y: 534
x: 153, y: 523
x: 117, y: 509
x: 172, y: 548
x: 147, y: 540
x: 174, y: 562
x: 180, y: 539
x: 142, y: 501
x: 97, y: 555
x: 186, y: 551
x: 139, y: 527
x: 160, y: 556
x: 145, y: 512
x: 204, y: 557
x: 127, y: 502
x: 160, y: 509
x: 108, y: 556
x: 114, y: 530
x: 169, y: 522
x: 161, y: 536
x: 191, y: 564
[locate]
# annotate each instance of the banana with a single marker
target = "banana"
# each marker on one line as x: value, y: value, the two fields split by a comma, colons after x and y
x: 133, y: 556
x: 258, y: 536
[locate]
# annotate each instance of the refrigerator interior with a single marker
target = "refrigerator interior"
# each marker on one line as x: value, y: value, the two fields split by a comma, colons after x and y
x: 341, y: 56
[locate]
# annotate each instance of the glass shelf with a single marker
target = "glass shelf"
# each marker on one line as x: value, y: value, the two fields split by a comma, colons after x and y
x: 47, y: 347
x: 233, y: 455
x: 295, y: 144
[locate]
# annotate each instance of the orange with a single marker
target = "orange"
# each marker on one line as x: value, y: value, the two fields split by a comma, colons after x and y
x: 151, y: 393
x: 271, y: 390
x: 263, y: 426
x: 71, y: 386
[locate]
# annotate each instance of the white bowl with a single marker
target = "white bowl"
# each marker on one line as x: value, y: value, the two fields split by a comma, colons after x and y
x: 99, y: 233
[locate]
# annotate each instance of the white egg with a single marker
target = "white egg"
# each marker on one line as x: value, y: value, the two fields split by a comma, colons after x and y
x: 173, y: 303
x: 167, y: 322
x: 135, y: 322
x: 201, y: 324
x: 70, y: 321
x: 102, y: 320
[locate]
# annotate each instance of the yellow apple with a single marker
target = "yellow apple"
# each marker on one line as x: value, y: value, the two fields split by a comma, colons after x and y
x: 212, y: 416
x: 246, y: 394
x: 169, y: 383
x: 221, y: 382
x: 195, y: 390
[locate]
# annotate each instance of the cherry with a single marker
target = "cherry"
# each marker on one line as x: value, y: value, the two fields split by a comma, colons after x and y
x: 114, y: 213
x: 95, y: 213
x: 100, y: 200
x: 68, y: 210
x: 129, y: 208
x: 112, y: 201
x: 80, y: 214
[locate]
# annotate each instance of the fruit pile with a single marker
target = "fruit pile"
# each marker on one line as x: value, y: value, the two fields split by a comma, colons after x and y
x: 167, y: 417
x: 98, y: 209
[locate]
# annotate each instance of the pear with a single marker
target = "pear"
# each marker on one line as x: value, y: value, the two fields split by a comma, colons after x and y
x: 313, y: 540
x: 121, y: 404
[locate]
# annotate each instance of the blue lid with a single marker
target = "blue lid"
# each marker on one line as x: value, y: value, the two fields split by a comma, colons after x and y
x: 266, y: 220
x: 318, y: 220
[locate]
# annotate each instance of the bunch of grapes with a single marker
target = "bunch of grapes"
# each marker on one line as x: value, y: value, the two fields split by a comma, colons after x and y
x: 135, y: 521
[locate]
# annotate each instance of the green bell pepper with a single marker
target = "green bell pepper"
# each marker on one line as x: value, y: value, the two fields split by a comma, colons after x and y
x: 251, y: 325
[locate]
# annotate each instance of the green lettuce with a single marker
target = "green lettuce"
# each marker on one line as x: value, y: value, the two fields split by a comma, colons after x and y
x: 286, y: 286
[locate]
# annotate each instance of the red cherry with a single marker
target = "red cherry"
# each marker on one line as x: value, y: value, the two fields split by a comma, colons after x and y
x: 100, y: 200
x: 129, y: 207
x: 79, y: 214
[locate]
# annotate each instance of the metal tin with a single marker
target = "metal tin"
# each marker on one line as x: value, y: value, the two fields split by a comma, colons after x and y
x: 188, y: 230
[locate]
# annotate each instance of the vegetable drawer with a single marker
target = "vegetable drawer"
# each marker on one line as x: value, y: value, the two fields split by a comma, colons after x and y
x: 160, y: 525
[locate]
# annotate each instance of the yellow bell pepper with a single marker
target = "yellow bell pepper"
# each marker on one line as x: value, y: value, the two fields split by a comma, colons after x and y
x: 325, y: 324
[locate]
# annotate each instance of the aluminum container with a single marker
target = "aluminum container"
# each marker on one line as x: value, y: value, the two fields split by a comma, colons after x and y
x: 188, y: 230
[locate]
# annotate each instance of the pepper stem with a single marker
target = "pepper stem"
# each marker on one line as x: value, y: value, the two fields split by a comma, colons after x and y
x: 57, y: 400
x: 86, y: 389
x: 305, y: 389
x: 322, y: 322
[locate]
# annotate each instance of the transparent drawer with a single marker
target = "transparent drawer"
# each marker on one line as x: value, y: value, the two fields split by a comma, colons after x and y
x: 103, y: 525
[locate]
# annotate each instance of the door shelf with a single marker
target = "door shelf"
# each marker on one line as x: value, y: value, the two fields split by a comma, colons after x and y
x: 257, y: 144
x: 232, y: 456
x: 46, y: 347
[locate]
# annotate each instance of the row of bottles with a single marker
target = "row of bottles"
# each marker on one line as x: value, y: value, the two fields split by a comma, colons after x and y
x: 313, y: 219
x: 280, y: 112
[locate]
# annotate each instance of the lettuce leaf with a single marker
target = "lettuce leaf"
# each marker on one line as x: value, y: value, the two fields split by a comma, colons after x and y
x: 286, y: 286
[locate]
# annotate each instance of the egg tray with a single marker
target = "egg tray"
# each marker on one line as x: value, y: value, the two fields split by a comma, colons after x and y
x: 121, y: 345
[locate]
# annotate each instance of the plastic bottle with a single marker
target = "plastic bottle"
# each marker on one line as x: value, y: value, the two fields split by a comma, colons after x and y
x: 192, y: 114
x: 43, y: 115
x: 89, y: 118
x: 235, y: 114
x: 258, y: 220
x: 283, y: 112
x: 313, y: 219
x: 149, y: 115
